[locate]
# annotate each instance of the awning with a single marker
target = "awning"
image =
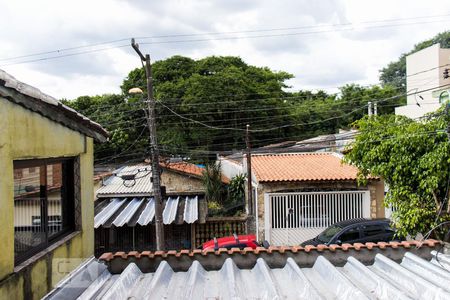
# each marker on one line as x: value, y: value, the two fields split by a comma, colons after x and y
x: 130, y: 212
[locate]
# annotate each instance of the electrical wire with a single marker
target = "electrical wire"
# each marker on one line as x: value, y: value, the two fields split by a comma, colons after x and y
x: 210, y: 39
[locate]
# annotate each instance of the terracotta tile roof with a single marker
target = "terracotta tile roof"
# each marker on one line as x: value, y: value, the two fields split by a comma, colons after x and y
x: 188, y: 168
x: 271, y: 250
x: 301, y: 167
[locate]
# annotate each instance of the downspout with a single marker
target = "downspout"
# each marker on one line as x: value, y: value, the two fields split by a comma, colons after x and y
x: 256, y: 210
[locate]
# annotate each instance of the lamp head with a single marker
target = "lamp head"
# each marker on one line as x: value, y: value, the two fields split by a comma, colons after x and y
x: 135, y: 90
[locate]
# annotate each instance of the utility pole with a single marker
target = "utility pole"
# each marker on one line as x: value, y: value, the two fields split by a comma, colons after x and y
x: 156, y: 180
x: 369, y: 108
x: 251, y: 228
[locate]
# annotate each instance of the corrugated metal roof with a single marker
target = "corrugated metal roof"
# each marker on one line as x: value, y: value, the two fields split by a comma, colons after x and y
x: 412, y: 278
x: 106, y: 213
x: 115, y: 186
x: 170, y: 210
x: 148, y: 213
x: 119, y: 212
x: 191, y: 210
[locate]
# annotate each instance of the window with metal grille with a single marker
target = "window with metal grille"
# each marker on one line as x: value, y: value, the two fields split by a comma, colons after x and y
x: 43, y: 204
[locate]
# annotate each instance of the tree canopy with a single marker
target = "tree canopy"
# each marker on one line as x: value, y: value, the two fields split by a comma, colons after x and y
x: 196, y: 97
x: 413, y: 159
x: 395, y: 72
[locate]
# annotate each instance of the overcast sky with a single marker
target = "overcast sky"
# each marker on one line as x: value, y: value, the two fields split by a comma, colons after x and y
x: 319, y: 52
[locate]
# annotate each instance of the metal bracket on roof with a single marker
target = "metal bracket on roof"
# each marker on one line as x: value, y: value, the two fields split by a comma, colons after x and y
x: 216, y: 244
x: 236, y: 238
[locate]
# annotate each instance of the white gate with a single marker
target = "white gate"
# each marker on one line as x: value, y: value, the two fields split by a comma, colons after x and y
x: 292, y: 218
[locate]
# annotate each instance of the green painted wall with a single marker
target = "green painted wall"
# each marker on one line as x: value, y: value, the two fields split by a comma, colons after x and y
x: 25, y: 135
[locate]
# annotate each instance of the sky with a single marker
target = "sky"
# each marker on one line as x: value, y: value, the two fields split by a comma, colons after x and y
x: 84, y: 45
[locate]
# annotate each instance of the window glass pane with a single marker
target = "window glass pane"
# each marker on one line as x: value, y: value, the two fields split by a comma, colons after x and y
x: 329, y: 233
x: 43, y: 204
x: 29, y: 198
x: 370, y: 230
x: 349, y: 235
x: 55, y: 198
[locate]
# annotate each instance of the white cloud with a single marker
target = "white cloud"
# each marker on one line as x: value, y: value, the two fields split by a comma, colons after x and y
x: 324, y: 60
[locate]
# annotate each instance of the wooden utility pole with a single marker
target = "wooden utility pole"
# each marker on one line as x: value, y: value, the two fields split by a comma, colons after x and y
x: 249, y: 171
x: 153, y: 148
x: 251, y: 219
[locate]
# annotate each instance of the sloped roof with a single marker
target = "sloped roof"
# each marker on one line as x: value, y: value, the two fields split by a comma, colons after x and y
x: 116, y: 186
x: 129, y: 212
x: 363, y: 271
x: 35, y: 100
x: 184, y: 167
x: 301, y: 167
x: 189, y: 169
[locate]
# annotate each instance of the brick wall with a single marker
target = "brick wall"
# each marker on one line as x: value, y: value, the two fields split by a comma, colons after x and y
x: 176, y: 182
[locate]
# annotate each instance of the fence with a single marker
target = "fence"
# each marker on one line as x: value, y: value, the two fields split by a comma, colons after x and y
x: 296, y: 217
x: 140, y: 238
x: 219, y: 227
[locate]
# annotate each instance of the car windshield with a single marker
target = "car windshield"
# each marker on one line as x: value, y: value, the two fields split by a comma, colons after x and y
x: 328, y: 234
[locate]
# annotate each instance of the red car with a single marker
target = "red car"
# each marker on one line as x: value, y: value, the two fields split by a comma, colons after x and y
x: 235, y: 241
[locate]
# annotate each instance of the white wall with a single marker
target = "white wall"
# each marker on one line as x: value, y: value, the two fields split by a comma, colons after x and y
x: 230, y: 168
x: 423, y: 73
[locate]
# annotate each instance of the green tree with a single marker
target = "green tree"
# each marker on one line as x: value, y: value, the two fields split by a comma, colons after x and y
x: 218, y: 91
x: 413, y: 159
x: 123, y: 118
x: 394, y: 73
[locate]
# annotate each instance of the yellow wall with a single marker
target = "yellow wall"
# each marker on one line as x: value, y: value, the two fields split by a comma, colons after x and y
x: 26, y: 135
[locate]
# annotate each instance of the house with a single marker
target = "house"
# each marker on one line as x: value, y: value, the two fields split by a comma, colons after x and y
x: 424, y: 72
x: 298, y: 195
x: 124, y: 211
x: 407, y: 270
x: 46, y: 188
x: 125, y: 208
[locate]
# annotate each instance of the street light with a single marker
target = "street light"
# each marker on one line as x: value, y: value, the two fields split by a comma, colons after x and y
x: 156, y: 180
x: 135, y: 90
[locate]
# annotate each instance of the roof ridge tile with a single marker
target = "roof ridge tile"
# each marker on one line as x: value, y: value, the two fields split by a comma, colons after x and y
x: 108, y: 256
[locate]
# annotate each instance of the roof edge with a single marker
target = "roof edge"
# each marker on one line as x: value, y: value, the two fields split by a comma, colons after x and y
x: 275, y: 257
x: 54, y: 110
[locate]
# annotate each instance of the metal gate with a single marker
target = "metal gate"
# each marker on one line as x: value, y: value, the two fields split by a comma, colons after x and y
x: 292, y: 218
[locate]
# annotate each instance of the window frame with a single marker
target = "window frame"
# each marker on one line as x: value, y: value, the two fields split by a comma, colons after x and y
x: 67, y: 204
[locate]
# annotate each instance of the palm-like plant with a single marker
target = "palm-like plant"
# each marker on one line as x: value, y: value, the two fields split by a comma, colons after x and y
x: 212, y: 180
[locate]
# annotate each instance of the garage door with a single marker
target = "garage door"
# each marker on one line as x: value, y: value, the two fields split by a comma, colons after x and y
x: 292, y: 218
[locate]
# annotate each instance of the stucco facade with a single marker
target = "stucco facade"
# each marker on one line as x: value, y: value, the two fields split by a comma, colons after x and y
x: 375, y: 187
x: 28, y: 135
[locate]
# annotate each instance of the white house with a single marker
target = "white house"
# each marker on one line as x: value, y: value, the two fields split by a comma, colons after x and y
x: 424, y: 71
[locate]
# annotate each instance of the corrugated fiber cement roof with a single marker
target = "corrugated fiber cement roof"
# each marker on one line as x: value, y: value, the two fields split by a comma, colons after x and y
x: 412, y: 278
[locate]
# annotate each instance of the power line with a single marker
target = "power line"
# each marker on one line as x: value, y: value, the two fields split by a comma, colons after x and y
x: 284, y: 34
x: 213, y: 39
x: 298, y: 124
x: 347, y: 137
x: 214, y: 33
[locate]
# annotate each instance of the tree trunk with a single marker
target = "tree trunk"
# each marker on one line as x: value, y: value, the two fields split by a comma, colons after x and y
x: 436, y: 201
